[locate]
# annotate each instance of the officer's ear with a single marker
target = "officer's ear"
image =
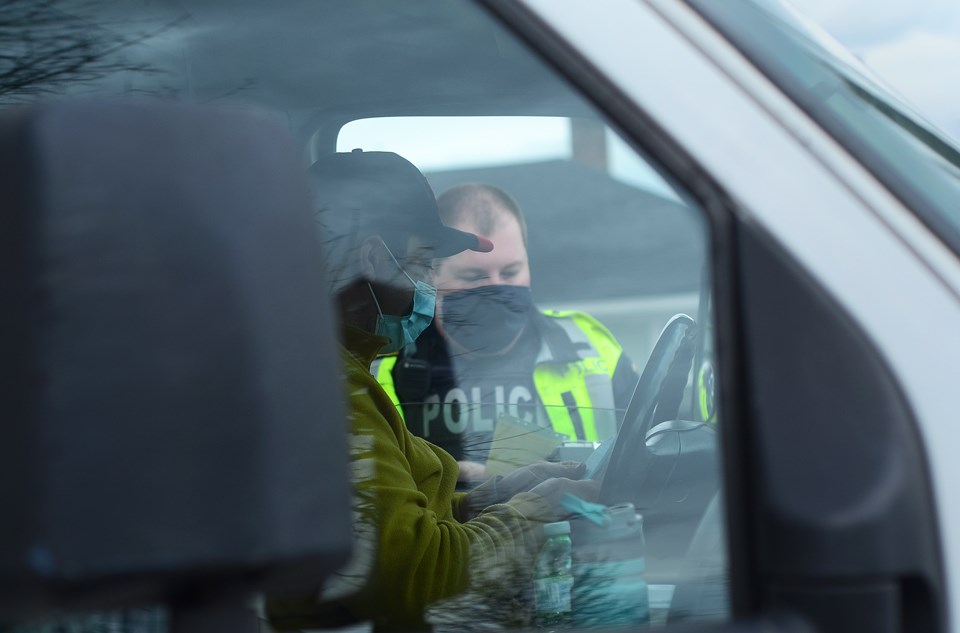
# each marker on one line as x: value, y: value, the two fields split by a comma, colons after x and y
x: 371, y: 253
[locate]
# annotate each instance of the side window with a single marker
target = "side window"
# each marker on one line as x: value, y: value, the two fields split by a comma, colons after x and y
x: 534, y: 432
x: 598, y: 275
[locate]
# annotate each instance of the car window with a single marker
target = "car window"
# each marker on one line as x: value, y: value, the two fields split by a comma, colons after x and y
x: 615, y: 253
x: 919, y: 164
x: 581, y: 334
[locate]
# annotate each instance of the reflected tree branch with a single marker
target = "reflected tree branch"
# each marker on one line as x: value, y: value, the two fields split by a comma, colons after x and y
x: 48, y: 45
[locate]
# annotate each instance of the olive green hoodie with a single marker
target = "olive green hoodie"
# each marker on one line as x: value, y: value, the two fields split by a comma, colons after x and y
x: 410, y: 548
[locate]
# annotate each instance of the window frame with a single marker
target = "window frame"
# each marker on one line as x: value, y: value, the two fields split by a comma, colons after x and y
x: 648, y: 138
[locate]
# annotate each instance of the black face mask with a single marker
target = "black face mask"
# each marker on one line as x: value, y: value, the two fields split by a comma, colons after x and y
x: 486, y: 319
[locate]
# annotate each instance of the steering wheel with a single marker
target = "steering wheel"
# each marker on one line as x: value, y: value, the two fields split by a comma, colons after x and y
x: 656, y: 398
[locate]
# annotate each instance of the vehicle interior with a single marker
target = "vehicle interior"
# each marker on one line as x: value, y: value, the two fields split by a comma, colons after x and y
x: 444, y: 85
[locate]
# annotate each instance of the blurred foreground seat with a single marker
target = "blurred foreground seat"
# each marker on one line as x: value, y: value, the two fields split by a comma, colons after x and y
x: 173, y: 431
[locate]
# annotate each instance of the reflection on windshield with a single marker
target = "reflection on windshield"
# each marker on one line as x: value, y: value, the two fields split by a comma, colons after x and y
x: 921, y: 133
x: 861, y: 80
x: 918, y: 164
x: 479, y: 383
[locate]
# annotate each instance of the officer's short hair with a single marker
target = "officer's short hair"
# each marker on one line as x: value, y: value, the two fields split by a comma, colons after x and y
x: 480, y: 203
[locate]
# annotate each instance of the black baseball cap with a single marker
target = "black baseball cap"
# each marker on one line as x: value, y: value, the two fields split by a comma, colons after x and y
x: 382, y: 192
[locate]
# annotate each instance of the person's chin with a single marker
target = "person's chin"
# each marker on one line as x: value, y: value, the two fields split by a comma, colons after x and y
x: 480, y: 351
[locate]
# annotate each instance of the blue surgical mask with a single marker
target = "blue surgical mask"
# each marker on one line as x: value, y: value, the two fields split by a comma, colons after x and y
x: 403, y: 330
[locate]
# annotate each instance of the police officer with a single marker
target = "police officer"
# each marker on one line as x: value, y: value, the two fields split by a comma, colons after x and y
x: 492, y: 355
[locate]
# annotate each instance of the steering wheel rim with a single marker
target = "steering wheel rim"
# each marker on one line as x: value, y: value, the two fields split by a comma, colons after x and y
x: 656, y: 398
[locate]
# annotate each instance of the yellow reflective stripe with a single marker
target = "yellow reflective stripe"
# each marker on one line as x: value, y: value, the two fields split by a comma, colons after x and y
x: 551, y: 387
x: 383, y: 371
x: 599, y: 336
x: 706, y: 395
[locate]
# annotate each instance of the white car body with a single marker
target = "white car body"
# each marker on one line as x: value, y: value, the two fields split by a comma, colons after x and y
x: 891, y: 274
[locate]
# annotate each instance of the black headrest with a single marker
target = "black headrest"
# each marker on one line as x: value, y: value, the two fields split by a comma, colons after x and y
x: 168, y: 368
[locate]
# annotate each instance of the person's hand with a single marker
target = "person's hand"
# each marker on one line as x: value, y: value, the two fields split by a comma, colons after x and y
x: 554, y: 491
x: 502, y: 489
x: 529, y: 477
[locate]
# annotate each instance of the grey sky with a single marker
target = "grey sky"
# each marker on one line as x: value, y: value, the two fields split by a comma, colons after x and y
x: 913, y: 45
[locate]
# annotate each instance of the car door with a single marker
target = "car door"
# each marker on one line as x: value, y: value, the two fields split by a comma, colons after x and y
x: 615, y: 249
x: 816, y: 265
x: 703, y: 305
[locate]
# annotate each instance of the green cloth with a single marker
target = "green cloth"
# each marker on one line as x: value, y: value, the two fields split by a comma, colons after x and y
x: 410, y: 550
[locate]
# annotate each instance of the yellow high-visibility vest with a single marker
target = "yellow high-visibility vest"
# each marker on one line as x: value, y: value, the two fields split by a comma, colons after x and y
x: 577, y: 394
